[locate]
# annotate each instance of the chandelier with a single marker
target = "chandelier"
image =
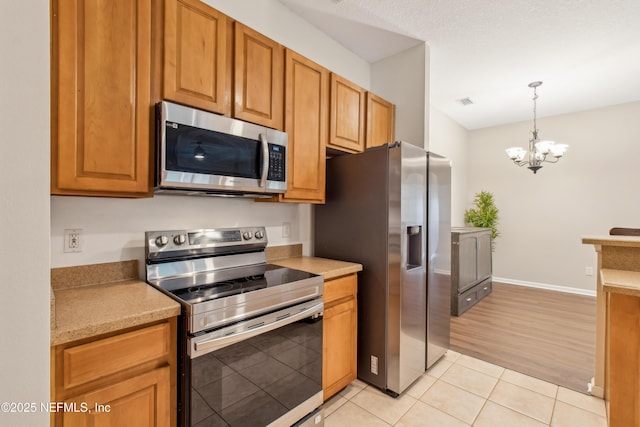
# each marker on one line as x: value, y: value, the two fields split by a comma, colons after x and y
x: 539, y: 151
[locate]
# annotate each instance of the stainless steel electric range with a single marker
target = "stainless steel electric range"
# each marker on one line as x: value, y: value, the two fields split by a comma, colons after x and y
x: 250, y: 344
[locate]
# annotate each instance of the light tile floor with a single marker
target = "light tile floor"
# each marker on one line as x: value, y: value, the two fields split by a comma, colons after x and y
x: 460, y: 391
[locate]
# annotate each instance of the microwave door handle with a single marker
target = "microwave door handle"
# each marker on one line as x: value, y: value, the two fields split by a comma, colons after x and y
x: 265, y: 160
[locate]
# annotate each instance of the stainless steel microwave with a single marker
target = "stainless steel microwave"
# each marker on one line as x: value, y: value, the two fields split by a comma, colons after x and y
x: 208, y: 154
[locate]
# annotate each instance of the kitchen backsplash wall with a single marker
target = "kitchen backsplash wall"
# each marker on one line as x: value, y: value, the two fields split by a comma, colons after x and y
x: 113, y: 229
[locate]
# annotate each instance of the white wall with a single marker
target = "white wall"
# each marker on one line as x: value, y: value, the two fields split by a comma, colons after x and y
x: 24, y: 208
x: 449, y: 139
x: 113, y: 229
x: 403, y: 79
x: 544, y: 216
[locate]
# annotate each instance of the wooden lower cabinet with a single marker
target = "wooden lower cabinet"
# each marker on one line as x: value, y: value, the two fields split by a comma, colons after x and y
x: 340, y: 331
x: 126, y: 378
x: 139, y: 401
x: 623, y: 369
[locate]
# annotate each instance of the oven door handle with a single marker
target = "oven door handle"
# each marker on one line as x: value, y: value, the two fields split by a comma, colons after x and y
x: 203, y: 347
x: 265, y: 159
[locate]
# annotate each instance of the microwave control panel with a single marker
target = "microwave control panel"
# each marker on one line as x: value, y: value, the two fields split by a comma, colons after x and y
x: 277, y: 163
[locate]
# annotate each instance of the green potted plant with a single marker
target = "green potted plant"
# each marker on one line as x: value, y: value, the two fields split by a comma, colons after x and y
x: 484, y: 214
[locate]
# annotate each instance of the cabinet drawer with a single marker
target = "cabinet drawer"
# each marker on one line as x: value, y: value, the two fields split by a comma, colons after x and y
x: 483, y: 289
x: 342, y: 287
x: 466, y: 300
x: 94, y: 360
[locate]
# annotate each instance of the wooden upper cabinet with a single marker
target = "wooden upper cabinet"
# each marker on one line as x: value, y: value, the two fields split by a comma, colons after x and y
x: 307, y: 124
x: 196, y: 67
x: 380, y: 121
x: 347, y: 115
x: 258, y: 78
x: 101, y: 96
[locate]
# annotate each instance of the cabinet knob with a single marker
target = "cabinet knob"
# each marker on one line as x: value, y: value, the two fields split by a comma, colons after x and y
x: 468, y: 299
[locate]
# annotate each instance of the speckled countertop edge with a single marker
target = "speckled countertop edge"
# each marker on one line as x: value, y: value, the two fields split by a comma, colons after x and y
x: 626, y: 241
x: 328, y: 268
x: 621, y: 281
x: 82, y: 309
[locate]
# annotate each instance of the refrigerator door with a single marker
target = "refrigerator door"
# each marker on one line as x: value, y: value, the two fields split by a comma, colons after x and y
x: 353, y: 225
x: 407, y: 291
x: 439, y: 255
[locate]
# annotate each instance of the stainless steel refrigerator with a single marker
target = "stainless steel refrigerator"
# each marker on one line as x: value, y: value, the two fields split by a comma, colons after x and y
x: 381, y: 211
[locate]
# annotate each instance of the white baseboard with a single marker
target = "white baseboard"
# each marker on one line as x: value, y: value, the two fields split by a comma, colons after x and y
x: 545, y: 286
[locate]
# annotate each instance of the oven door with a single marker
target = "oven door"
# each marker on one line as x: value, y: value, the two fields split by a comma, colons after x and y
x: 264, y: 371
x: 203, y: 151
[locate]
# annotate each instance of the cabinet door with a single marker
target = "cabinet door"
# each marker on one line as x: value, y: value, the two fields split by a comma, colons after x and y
x: 140, y: 401
x: 195, y: 56
x: 259, y: 78
x: 101, y: 78
x: 484, y: 256
x: 380, y: 121
x: 347, y: 115
x: 340, y: 341
x: 306, y: 122
x: 467, y: 262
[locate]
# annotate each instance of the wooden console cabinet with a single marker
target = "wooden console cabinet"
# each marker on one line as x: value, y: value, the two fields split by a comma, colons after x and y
x: 340, y: 332
x: 127, y: 378
x: 470, y: 267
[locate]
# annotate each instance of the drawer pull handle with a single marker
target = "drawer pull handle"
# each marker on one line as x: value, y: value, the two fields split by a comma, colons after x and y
x: 485, y: 288
x: 468, y: 299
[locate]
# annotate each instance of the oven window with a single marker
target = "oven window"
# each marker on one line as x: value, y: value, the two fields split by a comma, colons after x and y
x: 194, y: 150
x: 256, y: 381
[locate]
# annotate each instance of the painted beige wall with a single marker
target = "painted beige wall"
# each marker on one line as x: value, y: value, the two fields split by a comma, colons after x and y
x: 403, y: 80
x: 544, y: 216
x: 24, y: 208
x: 449, y: 139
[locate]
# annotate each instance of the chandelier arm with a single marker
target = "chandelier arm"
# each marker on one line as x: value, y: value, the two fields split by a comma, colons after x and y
x: 538, y: 152
x: 556, y: 159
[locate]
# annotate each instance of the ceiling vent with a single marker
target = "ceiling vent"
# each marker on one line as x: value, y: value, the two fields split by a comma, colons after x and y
x: 465, y: 101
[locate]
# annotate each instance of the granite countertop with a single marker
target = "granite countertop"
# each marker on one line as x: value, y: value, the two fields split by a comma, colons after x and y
x: 628, y: 241
x: 329, y: 268
x: 621, y: 281
x: 87, y: 301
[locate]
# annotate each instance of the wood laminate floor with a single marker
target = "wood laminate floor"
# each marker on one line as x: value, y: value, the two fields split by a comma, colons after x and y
x: 544, y: 334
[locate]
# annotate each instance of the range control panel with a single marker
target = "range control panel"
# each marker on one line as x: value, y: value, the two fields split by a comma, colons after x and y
x: 165, y: 244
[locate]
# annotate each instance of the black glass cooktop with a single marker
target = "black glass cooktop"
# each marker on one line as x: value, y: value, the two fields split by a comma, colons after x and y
x: 266, y: 276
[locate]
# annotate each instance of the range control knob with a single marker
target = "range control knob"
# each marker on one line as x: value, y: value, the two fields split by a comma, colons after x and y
x: 259, y: 234
x: 162, y: 241
x: 247, y: 235
x: 179, y: 239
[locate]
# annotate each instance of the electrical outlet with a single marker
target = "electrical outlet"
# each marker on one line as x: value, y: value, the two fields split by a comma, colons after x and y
x: 72, y: 240
x: 588, y: 271
x: 374, y: 365
x: 286, y: 229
